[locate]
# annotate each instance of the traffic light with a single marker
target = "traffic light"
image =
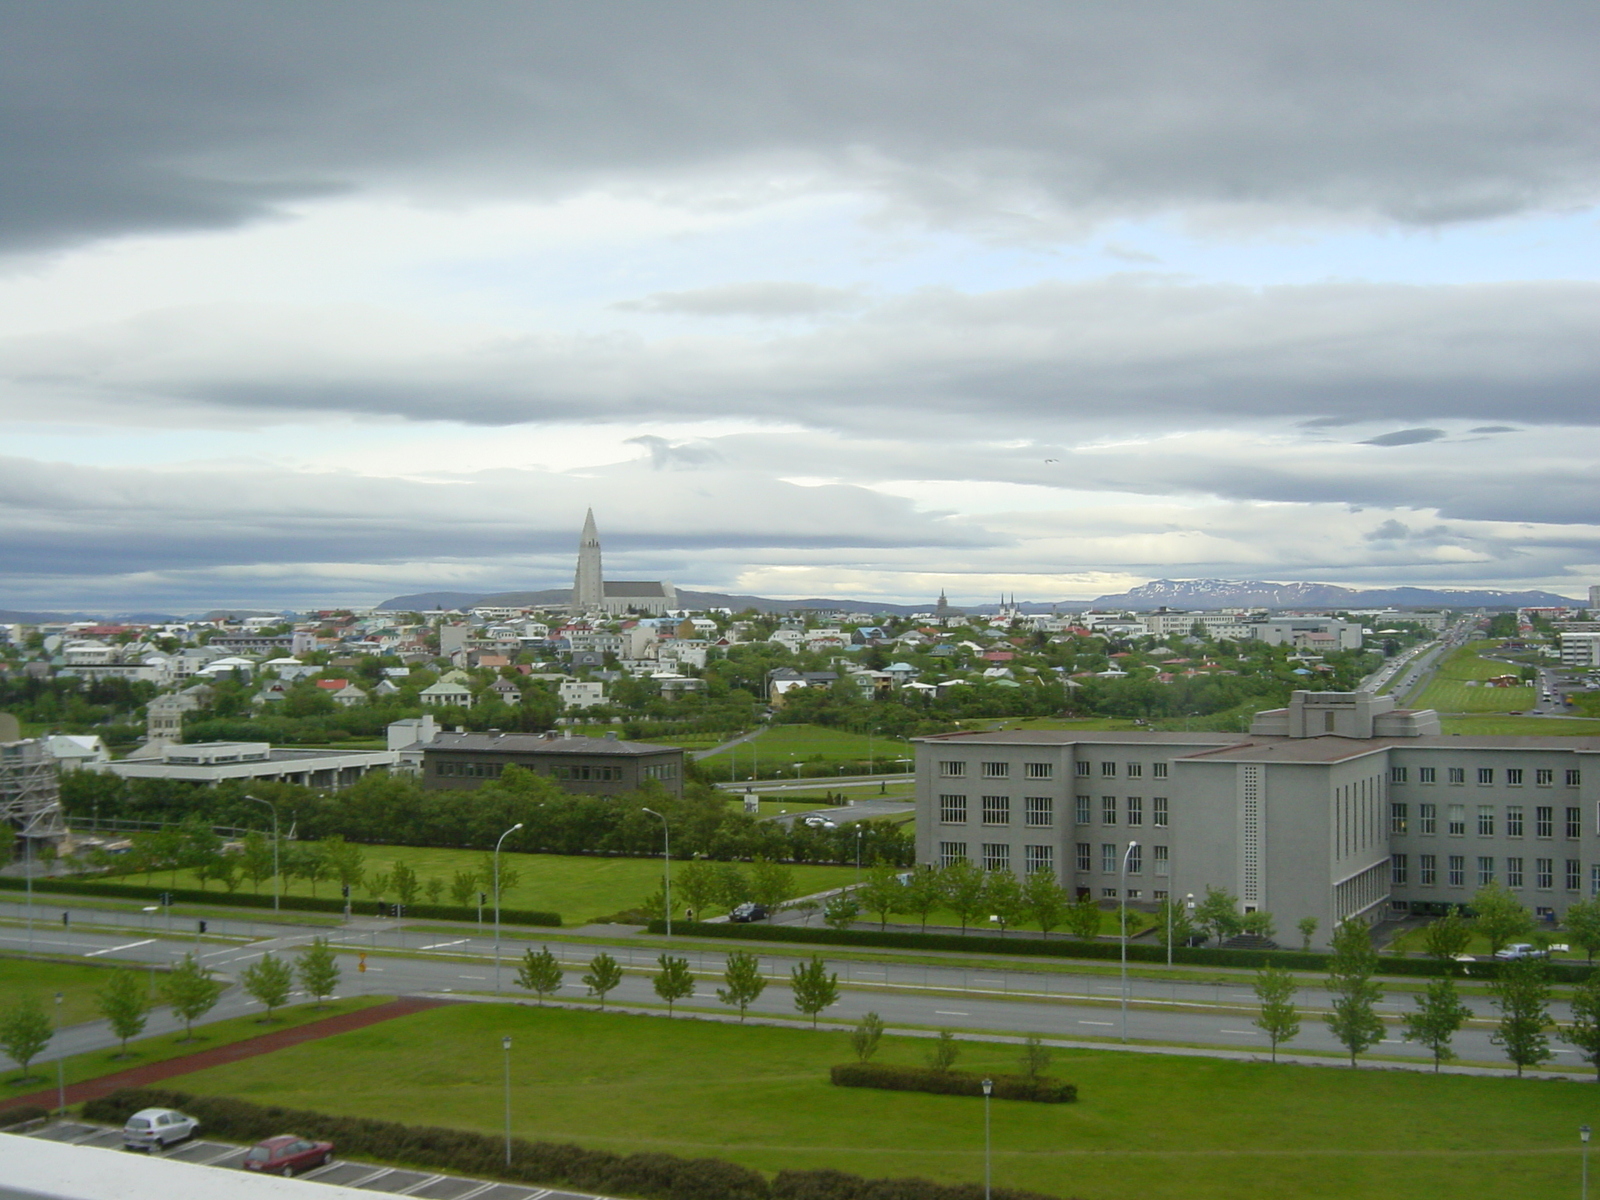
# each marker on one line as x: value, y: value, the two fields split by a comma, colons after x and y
x: 166, y: 899
x: 202, y: 926
x: 66, y: 920
x: 483, y: 898
x: 346, y: 890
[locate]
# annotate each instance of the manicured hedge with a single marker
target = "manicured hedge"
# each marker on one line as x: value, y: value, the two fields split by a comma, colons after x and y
x: 21, y: 1114
x: 952, y: 1083
x: 1028, y: 945
x: 328, y: 904
x: 654, y: 1176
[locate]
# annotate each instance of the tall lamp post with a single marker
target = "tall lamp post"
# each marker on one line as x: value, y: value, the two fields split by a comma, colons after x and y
x: 1122, y: 922
x: 666, y: 865
x: 61, y: 1070
x: 1188, y: 904
x: 988, y: 1086
x: 505, y: 1044
x: 277, y: 881
x: 503, y: 837
x: 1583, y: 1132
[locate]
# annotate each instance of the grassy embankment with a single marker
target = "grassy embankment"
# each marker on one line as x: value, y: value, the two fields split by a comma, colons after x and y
x: 1458, y: 685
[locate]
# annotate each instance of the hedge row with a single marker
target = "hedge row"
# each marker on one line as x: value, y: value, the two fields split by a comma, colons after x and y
x: 21, y: 1114
x: 653, y: 1175
x: 1031, y: 945
x: 952, y: 1083
x: 138, y: 891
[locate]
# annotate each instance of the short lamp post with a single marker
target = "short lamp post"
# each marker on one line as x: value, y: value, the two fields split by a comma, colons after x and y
x: 277, y: 880
x: 988, y: 1087
x: 666, y: 866
x: 1122, y: 922
x: 61, y: 1070
x: 497, y: 844
x: 1583, y: 1133
x: 505, y: 1044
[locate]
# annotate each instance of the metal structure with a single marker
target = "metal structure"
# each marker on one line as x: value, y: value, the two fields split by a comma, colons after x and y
x: 30, y: 800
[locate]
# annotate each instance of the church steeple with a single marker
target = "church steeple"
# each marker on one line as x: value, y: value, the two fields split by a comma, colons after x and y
x: 588, y: 587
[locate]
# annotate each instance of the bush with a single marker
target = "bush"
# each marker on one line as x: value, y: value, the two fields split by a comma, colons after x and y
x: 21, y: 1114
x: 952, y: 1083
x: 839, y: 1185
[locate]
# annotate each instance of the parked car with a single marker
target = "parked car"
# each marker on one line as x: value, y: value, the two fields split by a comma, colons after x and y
x: 286, y: 1154
x: 1521, y: 950
x: 748, y: 911
x: 152, y: 1127
x: 820, y: 822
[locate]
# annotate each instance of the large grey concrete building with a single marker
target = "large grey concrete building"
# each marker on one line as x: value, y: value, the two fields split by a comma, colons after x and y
x: 1340, y: 806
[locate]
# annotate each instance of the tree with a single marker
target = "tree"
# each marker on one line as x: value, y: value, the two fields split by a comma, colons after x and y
x: 1043, y: 900
x: 1218, y: 913
x: 318, y: 970
x: 963, y: 890
x: 1308, y: 930
x: 311, y: 864
x: 1440, y: 1014
x: 674, y: 981
x: 255, y: 859
x: 742, y: 973
x: 1522, y: 994
x: 24, y: 1032
x: 1002, y: 896
x: 433, y: 889
x: 1501, y: 917
x: 1353, y: 1021
x: 509, y: 876
x: 125, y: 1004
x: 1278, y: 1019
x: 1083, y: 917
x: 697, y: 883
x: 603, y: 976
x: 191, y: 992
x: 1583, y: 925
x: 268, y: 981
x: 1445, y: 938
x: 815, y: 988
x: 864, y: 1038
x: 463, y: 887
x: 1035, y: 1057
x: 841, y: 911
x: 771, y: 883
x: 405, y: 883
x: 923, y: 894
x: 733, y: 888
x: 1174, y: 914
x: 882, y: 893
x: 540, y: 973
x: 1258, y: 924
x: 345, y: 860
x: 1584, y: 1032
x: 375, y: 884
x: 943, y: 1053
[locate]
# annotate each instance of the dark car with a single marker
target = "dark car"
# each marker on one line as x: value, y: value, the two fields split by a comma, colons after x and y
x: 748, y: 911
x: 286, y: 1154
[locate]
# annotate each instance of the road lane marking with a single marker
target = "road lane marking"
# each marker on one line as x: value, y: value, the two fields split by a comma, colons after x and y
x: 436, y: 945
x: 114, y: 949
x: 464, y: 976
x: 939, y: 1012
x: 1246, y: 1032
x: 1107, y: 1024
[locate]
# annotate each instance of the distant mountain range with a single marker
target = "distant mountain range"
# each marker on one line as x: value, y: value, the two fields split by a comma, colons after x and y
x: 689, y: 598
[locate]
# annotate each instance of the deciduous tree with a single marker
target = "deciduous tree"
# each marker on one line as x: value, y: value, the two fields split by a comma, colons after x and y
x: 603, y: 976
x: 882, y: 893
x: 1278, y: 1018
x: 1445, y: 938
x: 1308, y: 930
x: 943, y: 1053
x: 268, y: 980
x: 1439, y: 1016
x: 24, y: 1032
x: 674, y: 981
x: 815, y: 988
x: 125, y: 1004
x: 1522, y: 994
x: 963, y: 890
x: 1035, y: 1056
x: 191, y: 992
x: 540, y: 973
x: 741, y: 972
x: 1218, y: 913
x: 1501, y: 917
x: 1002, y: 896
x: 1584, y: 1031
x: 318, y: 970
x: 1083, y: 917
x: 1044, y: 901
x: 1353, y: 1020
x: 864, y: 1038
x: 771, y: 883
x: 1582, y: 923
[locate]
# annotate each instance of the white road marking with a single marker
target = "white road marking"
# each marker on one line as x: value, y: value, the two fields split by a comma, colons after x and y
x: 1246, y: 1032
x: 464, y: 976
x: 436, y: 945
x: 1107, y: 1024
x: 114, y: 949
x: 939, y: 1012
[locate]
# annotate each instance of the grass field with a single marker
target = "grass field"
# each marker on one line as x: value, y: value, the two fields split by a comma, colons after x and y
x: 1534, y: 726
x: 806, y: 749
x: 1457, y: 686
x: 1146, y: 1127
x: 42, y: 979
x: 578, y: 888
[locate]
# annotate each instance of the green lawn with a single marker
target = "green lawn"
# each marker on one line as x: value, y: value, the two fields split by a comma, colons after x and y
x: 1146, y: 1127
x: 42, y: 979
x: 1534, y: 726
x: 1454, y: 695
x: 805, y: 749
x: 579, y: 888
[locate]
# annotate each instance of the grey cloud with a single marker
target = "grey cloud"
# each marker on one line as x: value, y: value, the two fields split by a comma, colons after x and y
x: 1405, y: 437
x: 757, y: 299
x: 665, y: 455
x: 1493, y: 429
x: 1026, y: 118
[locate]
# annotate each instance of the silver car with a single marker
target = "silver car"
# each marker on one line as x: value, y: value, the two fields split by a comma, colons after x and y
x: 152, y: 1127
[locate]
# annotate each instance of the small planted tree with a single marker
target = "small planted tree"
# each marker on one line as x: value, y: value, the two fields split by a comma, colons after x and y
x: 603, y: 976
x: 540, y: 973
x: 1002, y: 896
x: 923, y: 894
x: 1173, y: 915
x: 1218, y: 913
x: 1584, y: 1032
x: 509, y: 876
x: 1035, y: 1057
x: 864, y: 1038
x: 771, y: 884
x: 1439, y: 1016
x: 24, y: 1032
x: 1502, y: 918
x: 943, y: 1053
x: 1278, y: 1018
x: 673, y: 982
x: 696, y: 882
x: 963, y: 887
x: 1582, y: 923
x: 1353, y: 1020
x: 1044, y: 901
x: 463, y: 888
x: 841, y: 911
x: 318, y: 970
x: 405, y: 883
x: 191, y: 992
x: 1308, y: 930
x: 345, y: 860
x: 741, y: 972
x: 814, y: 987
x: 268, y: 980
x: 125, y: 1004
x: 1522, y: 994
x: 1446, y: 938
x: 1083, y: 918
x: 882, y: 894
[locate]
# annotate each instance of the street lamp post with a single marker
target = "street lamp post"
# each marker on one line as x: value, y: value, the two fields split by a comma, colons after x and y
x: 503, y: 837
x: 27, y: 866
x: 858, y: 854
x: 277, y: 882
x: 1122, y: 922
x: 61, y: 1070
x: 666, y: 865
x: 505, y: 1044
x: 988, y: 1086
x: 1188, y: 903
x: 1583, y: 1132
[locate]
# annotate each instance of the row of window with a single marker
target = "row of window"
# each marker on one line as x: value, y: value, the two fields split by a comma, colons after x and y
x: 1133, y: 770
x: 1111, y: 858
x: 588, y: 772
x: 996, y: 856
x: 957, y: 769
x: 469, y: 770
x: 1542, y: 776
x: 1544, y: 820
x: 1039, y: 811
x: 665, y: 770
x: 1544, y: 872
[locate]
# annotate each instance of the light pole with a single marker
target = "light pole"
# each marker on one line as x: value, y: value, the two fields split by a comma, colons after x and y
x: 1122, y: 922
x: 277, y: 883
x: 505, y: 1044
x: 666, y: 865
x: 27, y: 866
x: 503, y: 837
x: 988, y: 1086
x: 1583, y: 1132
x: 858, y: 854
x: 1188, y: 903
x: 61, y: 1070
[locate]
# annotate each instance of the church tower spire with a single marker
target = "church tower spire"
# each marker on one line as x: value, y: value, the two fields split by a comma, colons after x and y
x: 588, y: 588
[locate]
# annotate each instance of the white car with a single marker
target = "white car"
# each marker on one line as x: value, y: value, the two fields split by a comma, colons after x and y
x: 1521, y: 950
x: 152, y: 1127
x: 816, y: 822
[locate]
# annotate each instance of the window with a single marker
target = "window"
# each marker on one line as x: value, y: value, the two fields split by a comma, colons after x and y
x: 1458, y: 870
x: 1544, y: 821
x: 1108, y: 857
x: 996, y: 856
x: 1513, y: 820
x: 1574, y: 874
x: 1085, y: 856
x: 1397, y: 870
x: 1081, y: 804
x: 1158, y: 811
x: 1158, y: 770
x: 1544, y: 776
x: 1039, y: 811
x: 1485, y: 774
x: 1427, y: 818
x: 1108, y: 769
x: 1485, y: 870
x: 1427, y: 869
x: 1485, y: 820
x: 1425, y: 774
x: 953, y: 770
x: 1135, y: 770
x: 1458, y: 820
x: 1574, y: 778
x: 1135, y: 810
x: 1456, y: 774
x: 1039, y: 770
x: 1108, y: 810
x: 1038, y: 858
x: 1514, y: 776
x: 951, y: 853
x: 1135, y: 860
x: 994, y: 770
x: 997, y: 810
x: 1514, y: 872
x: 1544, y: 873
x: 1397, y: 774
x: 1159, y: 853
x: 1082, y: 768
x: 1574, y: 822
x: 953, y: 810
x: 1594, y: 880
x: 1108, y: 893
x: 1397, y: 818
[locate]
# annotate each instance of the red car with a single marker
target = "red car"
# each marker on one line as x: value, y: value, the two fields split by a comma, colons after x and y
x: 287, y: 1154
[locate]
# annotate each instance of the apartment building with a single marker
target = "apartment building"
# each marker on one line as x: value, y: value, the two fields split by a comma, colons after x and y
x: 1340, y: 806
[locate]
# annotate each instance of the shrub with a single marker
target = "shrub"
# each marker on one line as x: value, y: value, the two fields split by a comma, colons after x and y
x: 21, y: 1114
x: 952, y: 1083
x: 840, y: 1185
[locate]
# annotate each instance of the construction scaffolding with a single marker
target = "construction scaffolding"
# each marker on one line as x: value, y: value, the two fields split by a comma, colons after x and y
x: 30, y: 800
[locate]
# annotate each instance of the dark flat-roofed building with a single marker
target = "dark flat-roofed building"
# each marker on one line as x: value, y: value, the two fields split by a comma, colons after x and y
x: 588, y: 766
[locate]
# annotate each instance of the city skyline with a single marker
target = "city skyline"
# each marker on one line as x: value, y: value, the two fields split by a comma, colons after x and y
x: 327, y: 306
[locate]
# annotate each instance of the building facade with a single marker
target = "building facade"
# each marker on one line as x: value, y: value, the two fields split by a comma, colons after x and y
x: 603, y: 766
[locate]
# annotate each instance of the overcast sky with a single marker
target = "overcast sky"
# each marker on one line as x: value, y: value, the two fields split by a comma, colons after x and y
x: 304, y: 304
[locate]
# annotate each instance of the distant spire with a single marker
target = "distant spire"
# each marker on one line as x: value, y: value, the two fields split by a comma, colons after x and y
x: 588, y: 587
